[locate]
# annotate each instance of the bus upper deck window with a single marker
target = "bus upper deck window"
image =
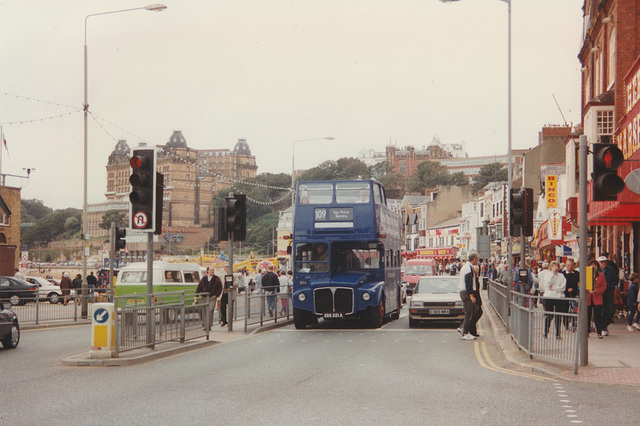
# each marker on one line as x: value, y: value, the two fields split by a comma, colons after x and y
x: 353, y: 192
x: 316, y: 193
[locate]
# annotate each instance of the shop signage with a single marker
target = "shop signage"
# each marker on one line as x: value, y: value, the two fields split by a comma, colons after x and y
x: 554, y: 225
x: 551, y: 191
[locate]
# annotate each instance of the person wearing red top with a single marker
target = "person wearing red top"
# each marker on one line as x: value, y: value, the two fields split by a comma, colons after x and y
x: 595, y: 299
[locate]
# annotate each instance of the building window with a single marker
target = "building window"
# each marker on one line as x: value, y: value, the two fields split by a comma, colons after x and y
x: 4, y: 220
x: 605, y: 123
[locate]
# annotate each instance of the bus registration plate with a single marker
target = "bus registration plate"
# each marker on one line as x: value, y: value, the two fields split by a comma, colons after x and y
x: 333, y: 315
x: 439, y: 311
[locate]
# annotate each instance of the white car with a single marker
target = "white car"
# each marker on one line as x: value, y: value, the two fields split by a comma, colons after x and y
x: 46, y: 290
x: 436, y: 298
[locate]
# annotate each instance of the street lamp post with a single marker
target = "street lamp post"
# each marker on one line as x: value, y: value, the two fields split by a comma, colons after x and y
x: 293, y: 157
x: 85, y: 106
x: 509, y: 157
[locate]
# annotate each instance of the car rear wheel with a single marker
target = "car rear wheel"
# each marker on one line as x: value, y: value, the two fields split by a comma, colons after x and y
x: 15, y: 300
x: 53, y: 298
x: 12, y: 340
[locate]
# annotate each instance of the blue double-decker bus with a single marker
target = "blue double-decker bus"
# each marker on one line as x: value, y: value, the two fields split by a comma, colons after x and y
x: 346, y: 253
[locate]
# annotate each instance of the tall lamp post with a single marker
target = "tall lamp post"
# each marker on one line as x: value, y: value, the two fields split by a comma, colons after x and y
x: 293, y: 158
x: 85, y: 105
x: 509, y: 157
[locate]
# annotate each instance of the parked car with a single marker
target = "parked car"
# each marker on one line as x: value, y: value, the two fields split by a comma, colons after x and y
x: 46, y: 290
x: 436, y: 299
x: 16, y: 291
x: 54, y: 281
x: 9, y: 327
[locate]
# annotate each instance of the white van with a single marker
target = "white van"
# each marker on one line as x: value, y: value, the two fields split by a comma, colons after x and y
x: 167, y: 277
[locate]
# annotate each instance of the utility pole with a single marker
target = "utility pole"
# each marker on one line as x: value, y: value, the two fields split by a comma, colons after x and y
x: 583, y: 325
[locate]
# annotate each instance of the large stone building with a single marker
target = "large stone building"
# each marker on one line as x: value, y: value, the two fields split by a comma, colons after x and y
x: 191, y: 177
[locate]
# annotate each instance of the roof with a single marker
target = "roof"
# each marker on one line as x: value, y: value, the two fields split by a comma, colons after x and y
x: 415, y: 200
x: 242, y: 148
x: 177, y: 140
x: 454, y: 221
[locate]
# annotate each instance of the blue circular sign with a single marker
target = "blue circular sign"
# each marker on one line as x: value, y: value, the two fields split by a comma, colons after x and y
x: 101, y: 315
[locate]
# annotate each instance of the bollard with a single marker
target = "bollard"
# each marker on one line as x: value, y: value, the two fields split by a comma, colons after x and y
x: 103, y: 337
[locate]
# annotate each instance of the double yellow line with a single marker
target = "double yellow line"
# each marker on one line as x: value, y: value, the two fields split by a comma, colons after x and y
x: 487, y: 363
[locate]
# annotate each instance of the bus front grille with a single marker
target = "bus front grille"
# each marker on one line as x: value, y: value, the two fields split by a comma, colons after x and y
x: 333, y: 300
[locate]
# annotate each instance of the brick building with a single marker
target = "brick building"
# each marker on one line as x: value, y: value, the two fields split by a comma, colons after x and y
x: 610, y: 58
x: 9, y: 229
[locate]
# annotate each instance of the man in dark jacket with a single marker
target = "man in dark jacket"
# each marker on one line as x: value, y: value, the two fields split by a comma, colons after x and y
x: 211, y: 285
x: 271, y: 286
x: 612, y: 275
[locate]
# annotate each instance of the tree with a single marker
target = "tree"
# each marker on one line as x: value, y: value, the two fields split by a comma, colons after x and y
x: 119, y: 217
x: 494, y: 172
x: 429, y: 174
x: 33, y: 210
x: 345, y: 168
x: 459, y: 179
x: 56, y: 225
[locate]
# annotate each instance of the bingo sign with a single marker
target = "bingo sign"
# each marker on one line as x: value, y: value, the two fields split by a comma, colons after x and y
x: 140, y: 220
x: 551, y: 189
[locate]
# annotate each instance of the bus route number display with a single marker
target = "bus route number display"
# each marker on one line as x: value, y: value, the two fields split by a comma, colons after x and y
x: 334, y: 214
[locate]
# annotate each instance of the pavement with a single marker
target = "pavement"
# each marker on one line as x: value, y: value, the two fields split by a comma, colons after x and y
x: 614, y: 359
x: 217, y: 335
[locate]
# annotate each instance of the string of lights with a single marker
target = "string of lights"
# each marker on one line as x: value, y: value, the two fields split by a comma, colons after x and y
x: 35, y: 120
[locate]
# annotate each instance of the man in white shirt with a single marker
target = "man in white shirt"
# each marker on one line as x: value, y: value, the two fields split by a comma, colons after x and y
x: 467, y: 284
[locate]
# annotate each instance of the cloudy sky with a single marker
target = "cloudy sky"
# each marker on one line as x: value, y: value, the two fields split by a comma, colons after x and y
x: 367, y: 72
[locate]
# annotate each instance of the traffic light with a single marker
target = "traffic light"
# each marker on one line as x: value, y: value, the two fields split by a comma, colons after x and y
x: 235, y: 207
x: 516, y: 211
x: 528, y: 212
x: 607, y: 158
x: 120, y: 242
x: 220, y: 233
x: 143, y: 189
x: 159, y: 203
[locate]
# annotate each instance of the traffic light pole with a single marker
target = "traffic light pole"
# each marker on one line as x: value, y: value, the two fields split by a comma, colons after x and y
x: 151, y: 324
x: 230, y: 292
x: 583, y: 325
x: 112, y: 256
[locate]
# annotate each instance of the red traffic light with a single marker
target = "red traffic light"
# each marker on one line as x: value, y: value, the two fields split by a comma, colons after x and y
x: 607, y: 158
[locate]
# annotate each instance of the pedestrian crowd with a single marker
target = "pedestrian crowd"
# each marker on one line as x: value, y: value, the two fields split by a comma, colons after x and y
x: 558, y: 284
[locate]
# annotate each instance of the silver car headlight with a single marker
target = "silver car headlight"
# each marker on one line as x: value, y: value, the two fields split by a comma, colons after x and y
x: 416, y: 304
x: 302, y: 297
x: 459, y: 303
x: 366, y: 296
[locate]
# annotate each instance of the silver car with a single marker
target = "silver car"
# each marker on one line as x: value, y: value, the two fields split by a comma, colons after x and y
x: 436, y: 298
x: 46, y: 289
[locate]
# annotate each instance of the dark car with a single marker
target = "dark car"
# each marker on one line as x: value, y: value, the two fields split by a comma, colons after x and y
x: 9, y: 327
x: 16, y: 291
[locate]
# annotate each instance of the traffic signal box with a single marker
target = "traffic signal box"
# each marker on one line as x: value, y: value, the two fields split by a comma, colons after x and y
x: 235, y: 217
x: 143, y: 190
x: 120, y: 242
x: 607, y: 159
x: 521, y: 211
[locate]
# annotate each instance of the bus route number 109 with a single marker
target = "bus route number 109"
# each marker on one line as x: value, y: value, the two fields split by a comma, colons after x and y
x: 321, y: 214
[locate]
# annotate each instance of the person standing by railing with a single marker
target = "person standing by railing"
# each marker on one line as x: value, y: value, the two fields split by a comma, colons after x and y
x: 212, y: 285
x: 571, y: 290
x: 271, y: 286
x: 595, y: 299
x: 632, y: 302
x: 553, y: 284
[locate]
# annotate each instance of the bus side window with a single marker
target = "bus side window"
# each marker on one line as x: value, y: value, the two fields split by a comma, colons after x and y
x: 376, y: 194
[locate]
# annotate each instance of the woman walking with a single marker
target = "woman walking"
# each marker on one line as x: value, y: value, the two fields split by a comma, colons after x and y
x: 595, y: 299
x: 552, y: 285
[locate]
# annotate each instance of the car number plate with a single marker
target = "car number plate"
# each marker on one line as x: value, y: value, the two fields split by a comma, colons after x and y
x: 439, y: 311
x: 333, y: 315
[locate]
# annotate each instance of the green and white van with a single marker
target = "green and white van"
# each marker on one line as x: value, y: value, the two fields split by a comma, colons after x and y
x: 167, y: 277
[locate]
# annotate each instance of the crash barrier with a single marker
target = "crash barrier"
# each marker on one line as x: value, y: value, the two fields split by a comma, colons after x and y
x: 257, y: 303
x: 549, y: 332
x: 174, y: 317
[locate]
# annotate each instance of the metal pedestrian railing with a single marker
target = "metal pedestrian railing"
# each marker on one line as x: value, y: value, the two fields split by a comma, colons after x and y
x: 33, y: 310
x: 542, y: 327
x: 261, y: 306
x: 171, y: 316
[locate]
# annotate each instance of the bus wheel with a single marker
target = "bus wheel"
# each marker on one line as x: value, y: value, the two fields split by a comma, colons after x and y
x: 299, y: 319
x: 377, y: 315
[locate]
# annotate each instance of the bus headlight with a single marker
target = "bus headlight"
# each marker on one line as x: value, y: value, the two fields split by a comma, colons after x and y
x: 302, y: 297
x: 366, y: 296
